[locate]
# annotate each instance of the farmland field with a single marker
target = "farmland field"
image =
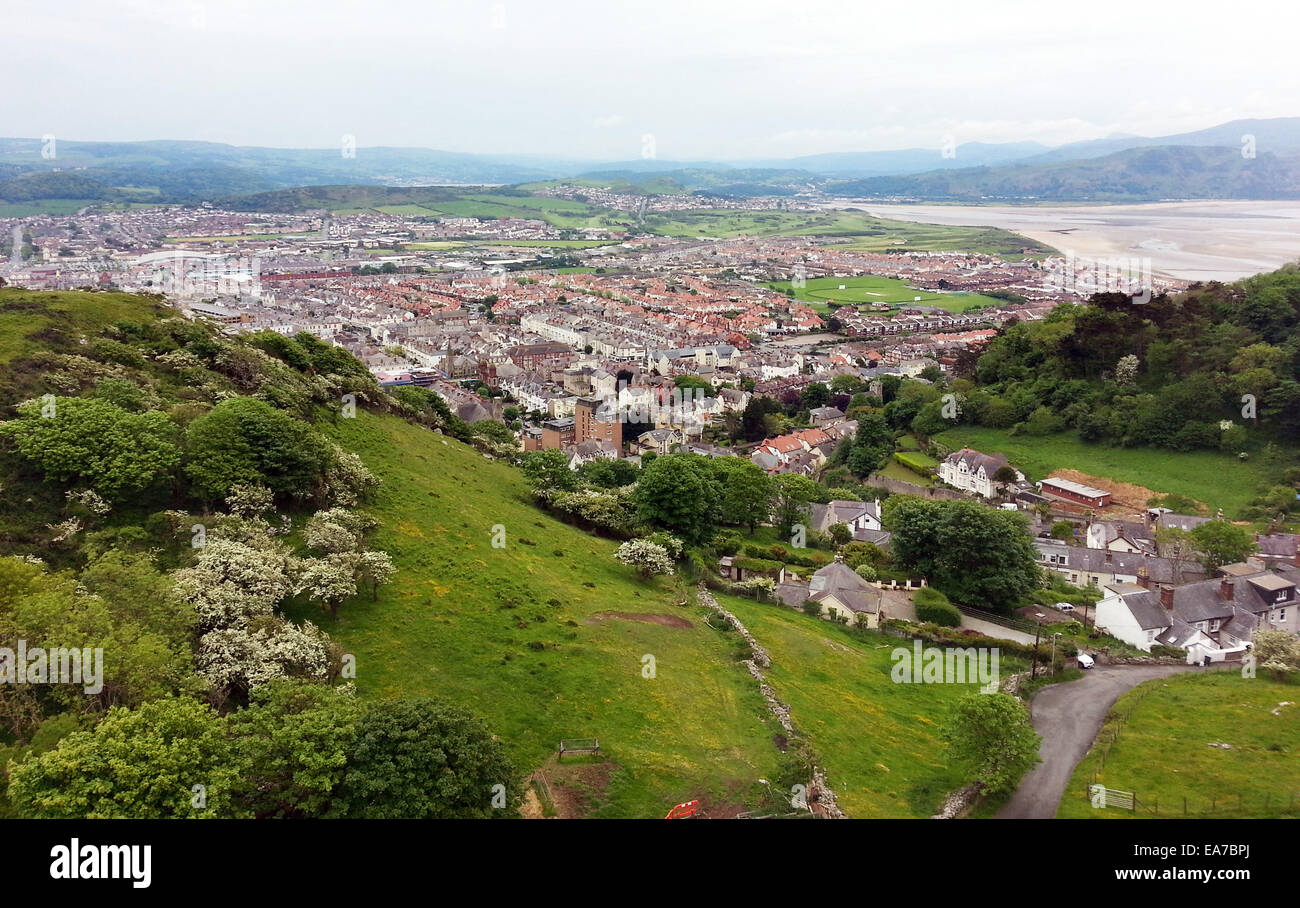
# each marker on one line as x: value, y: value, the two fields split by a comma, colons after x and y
x: 1170, y: 750
x: 857, y: 228
x: 1217, y: 480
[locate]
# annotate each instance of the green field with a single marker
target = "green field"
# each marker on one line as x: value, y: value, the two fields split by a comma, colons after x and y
x: 514, y: 633
x: 823, y: 291
x: 1162, y: 751
x: 879, y: 741
x: 1217, y: 480
x: 859, y: 230
x: 43, y: 206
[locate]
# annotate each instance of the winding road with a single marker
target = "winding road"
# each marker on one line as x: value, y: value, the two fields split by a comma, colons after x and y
x: 1069, y: 717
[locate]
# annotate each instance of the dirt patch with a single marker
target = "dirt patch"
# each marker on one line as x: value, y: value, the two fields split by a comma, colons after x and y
x: 644, y: 617
x: 531, y: 809
x: 1124, y: 496
x: 575, y: 788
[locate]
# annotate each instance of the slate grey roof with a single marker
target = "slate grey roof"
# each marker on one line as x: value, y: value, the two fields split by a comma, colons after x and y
x: 1278, y: 545
x: 841, y: 581
x: 975, y: 459
x: 1185, y: 522
x: 1204, y: 601
x: 1093, y: 561
x: 879, y: 538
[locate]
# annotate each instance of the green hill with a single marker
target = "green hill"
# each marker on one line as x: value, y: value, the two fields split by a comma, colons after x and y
x: 545, y: 637
x: 522, y: 634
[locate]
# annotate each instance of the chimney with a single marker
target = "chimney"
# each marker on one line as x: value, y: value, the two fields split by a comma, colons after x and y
x: 1144, y: 578
x: 1167, y: 597
x: 1225, y: 590
x: 1108, y: 556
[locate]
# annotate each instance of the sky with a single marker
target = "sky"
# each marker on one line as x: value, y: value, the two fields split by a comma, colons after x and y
x: 703, y: 80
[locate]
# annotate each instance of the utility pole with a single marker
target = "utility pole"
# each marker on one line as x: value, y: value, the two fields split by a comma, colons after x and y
x: 1033, y: 667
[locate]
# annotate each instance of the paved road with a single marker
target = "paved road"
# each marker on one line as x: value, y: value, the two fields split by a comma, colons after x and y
x: 1069, y: 716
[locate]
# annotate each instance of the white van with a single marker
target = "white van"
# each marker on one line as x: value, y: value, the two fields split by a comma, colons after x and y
x: 1085, y: 661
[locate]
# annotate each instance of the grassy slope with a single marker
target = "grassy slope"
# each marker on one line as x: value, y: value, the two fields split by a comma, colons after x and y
x: 449, y: 625
x: 878, y: 740
x: 1218, y: 480
x: 1163, y: 751
x: 25, y: 313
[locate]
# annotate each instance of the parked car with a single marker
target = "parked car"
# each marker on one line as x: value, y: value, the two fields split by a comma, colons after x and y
x: 1065, y: 606
x: 1086, y: 661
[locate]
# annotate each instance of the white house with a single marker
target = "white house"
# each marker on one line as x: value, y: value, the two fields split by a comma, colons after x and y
x: 1210, y: 619
x: 972, y: 471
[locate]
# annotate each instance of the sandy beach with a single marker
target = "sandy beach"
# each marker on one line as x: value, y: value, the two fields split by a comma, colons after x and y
x: 1203, y: 240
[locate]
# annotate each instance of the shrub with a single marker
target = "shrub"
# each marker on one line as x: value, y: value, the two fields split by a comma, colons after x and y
x: 934, y: 607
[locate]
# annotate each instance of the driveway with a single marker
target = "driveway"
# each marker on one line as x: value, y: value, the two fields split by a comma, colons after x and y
x: 1069, y: 716
x: 898, y: 604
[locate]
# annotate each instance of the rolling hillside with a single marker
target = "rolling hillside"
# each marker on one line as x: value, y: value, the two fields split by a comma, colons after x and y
x: 526, y: 635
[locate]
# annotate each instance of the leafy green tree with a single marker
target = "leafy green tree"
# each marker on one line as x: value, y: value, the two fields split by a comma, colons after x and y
x: 991, y: 739
x: 678, y: 493
x: 1220, y: 543
x: 873, y: 444
x: 549, y: 471
x: 424, y: 759
x: 141, y: 764
x: 293, y: 740
x: 815, y: 395
x: 754, y: 421
x: 143, y: 633
x: 975, y: 554
x: 790, y: 504
x: 608, y: 472
x: 244, y: 441
x: 745, y: 491
x: 1063, y: 530
x: 92, y: 442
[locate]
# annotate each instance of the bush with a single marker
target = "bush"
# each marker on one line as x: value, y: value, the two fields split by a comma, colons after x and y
x: 757, y: 565
x: 727, y: 545
x: 933, y: 606
x: 811, y: 607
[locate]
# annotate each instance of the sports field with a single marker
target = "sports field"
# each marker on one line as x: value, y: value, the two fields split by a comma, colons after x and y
x: 860, y: 291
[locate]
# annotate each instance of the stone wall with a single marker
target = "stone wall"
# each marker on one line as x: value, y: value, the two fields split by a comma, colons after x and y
x: 821, y: 796
x: 903, y: 487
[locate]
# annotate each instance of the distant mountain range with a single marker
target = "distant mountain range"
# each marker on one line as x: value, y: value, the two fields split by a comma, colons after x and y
x: 1148, y: 173
x: 1208, y: 163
